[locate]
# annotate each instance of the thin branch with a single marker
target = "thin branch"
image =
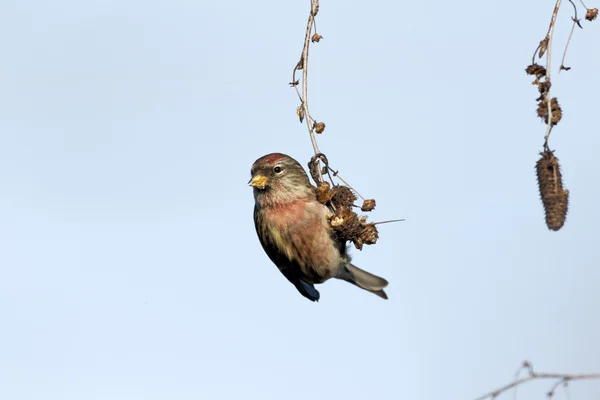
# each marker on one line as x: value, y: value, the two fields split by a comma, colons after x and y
x: 303, y: 65
x: 575, y: 9
x: 336, y: 174
x: 389, y: 221
x: 562, y: 62
x: 575, y: 22
x: 562, y: 379
x: 548, y: 65
x: 535, y: 53
x: 563, y: 382
x: 524, y: 366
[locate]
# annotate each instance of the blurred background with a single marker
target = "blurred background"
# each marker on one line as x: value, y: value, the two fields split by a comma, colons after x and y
x: 129, y: 264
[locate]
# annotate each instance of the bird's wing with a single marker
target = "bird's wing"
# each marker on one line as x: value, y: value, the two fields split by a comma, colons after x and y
x: 290, y: 269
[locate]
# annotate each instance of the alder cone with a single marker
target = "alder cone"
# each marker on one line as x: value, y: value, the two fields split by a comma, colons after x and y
x: 554, y: 197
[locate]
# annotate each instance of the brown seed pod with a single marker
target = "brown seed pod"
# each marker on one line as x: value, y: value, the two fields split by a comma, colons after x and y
x: 343, y: 197
x: 543, y: 46
x: 535, y: 69
x: 591, y: 14
x: 319, y: 127
x: 369, y: 234
x: 554, y: 197
x: 316, y: 38
x: 324, y: 193
x: 348, y: 226
x: 345, y: 223
x: 300, y: 112
x: 368, y: 205
x: 542, y: 111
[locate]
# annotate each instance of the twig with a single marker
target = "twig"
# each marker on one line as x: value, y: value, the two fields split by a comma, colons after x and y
x: 389, y: 221
x: 523, y: 366
x: 575, y: 22
x: 562, y: 62
x: 303, y: 65
x: 563, y: 382
x: 548, y: 64
x: 535, y: 53
x: 575, y: 10
x: 337, y: 175
x: 562, y: 379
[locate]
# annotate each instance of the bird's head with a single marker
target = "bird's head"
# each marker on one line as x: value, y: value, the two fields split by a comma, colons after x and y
x: 278, y: 178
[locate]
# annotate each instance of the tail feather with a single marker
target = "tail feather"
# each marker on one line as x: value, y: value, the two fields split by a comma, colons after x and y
x: 364, y: 280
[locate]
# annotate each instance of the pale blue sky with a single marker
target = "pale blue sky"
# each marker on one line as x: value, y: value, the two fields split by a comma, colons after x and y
x: 129, y: 265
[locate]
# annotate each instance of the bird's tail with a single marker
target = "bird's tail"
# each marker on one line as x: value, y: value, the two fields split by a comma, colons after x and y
x: 364, y: 280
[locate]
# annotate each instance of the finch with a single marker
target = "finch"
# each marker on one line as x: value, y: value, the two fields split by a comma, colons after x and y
x: 294, y: 231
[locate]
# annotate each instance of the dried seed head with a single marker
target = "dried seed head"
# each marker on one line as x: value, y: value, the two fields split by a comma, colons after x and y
x: 591, y: 14
x: 556, y: 111
x: 300, y: 112
x: 542, y: 111
x: 316, y: 38
x: 369, y: 234
x: 536, y: 69
x: 350, y: 227
x: 554, y: 197
x: 345, y: 223
x: 319, y: 127
x: 336, y: 221
x: 556, y: 210
x: 295, y: 83
x: 324, y: 194
x: 343, y: 197
x: 368, y: 205
x: 346, y: 213
x: 300, y: 64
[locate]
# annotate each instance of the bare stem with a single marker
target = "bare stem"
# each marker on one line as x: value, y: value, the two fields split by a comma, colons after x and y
x: 575, y: 22
x: 303, y: 64
x: 335, y: 173
x: 388, y: 221
x: 562, y: 379
x: 562, y: 62
x: 548, y: 65
x: 309, y: 123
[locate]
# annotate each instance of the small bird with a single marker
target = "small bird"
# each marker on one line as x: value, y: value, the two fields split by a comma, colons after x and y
x: 293, y: 229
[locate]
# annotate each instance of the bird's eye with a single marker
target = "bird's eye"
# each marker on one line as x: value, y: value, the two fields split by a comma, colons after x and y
x: 277, y: 169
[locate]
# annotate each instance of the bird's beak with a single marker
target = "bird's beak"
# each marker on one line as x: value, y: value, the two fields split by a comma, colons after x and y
x: 259, y: 181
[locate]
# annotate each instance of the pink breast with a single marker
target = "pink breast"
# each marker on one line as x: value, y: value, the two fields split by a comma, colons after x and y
x: 284, y: 214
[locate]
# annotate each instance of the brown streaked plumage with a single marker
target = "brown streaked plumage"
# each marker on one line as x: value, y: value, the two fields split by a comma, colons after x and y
x: 293, y: 229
